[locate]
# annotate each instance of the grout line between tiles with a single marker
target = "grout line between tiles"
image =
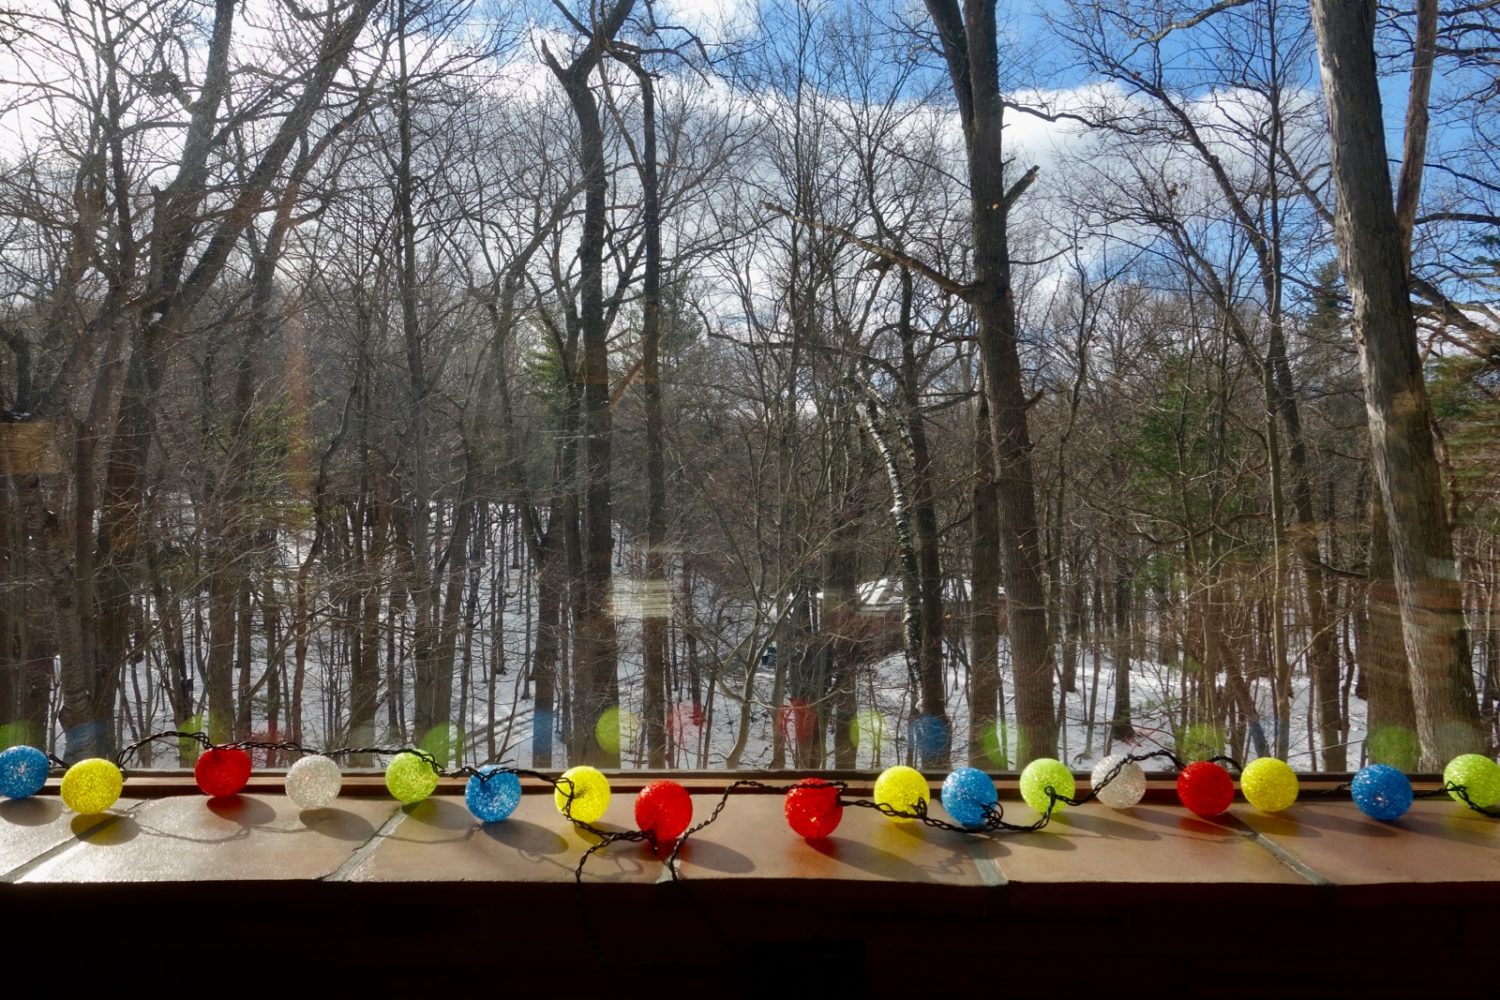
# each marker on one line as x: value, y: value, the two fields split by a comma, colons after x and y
x: 57, y: 850
x: 988, y: 867
x: 1286, y: 857
x: 363, y: 851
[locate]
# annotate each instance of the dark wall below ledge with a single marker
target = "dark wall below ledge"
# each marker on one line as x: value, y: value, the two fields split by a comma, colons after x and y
x: 248, y: 894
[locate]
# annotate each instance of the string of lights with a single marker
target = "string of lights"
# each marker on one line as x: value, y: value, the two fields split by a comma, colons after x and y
x: 814, y: 806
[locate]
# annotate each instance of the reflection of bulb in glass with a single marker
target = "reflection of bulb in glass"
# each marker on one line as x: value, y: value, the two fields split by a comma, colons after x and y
x: 867, y: 730
x: 686, y: 724
x: 1394, y: 745
x: 929, y: 734
x: 314, y: 782
x: 1200, y: 741
x: 444, y: 742
x: 617, y: 729
x: 1126, y: 789
x: 994, y: 745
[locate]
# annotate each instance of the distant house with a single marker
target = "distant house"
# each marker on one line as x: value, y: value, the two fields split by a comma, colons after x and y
x: 879, y: 603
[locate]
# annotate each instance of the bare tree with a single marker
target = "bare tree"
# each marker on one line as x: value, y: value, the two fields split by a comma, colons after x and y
x: 970, y: 47
x: 1400, y: 416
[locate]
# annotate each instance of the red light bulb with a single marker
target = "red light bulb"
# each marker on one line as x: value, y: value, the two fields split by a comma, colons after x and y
x: 1205, y: 788
x: 222, y: 771
x: 665, y: 808
x: 813, y: 809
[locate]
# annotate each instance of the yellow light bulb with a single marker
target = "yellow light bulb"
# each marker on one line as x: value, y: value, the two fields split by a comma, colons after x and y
x: 1270, y: 785
x: 1044, y: 773
x: 92, y: 786
x: 410, y: 777
x: 901, y: 788
x: 589, y: 791
x: 1478, y: 775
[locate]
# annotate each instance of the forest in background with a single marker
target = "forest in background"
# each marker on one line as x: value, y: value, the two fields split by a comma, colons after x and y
x: 375, y: 368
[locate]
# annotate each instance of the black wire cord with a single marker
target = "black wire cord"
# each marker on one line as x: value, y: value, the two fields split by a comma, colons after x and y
x: 1462, y: 791
x: 994, y: 815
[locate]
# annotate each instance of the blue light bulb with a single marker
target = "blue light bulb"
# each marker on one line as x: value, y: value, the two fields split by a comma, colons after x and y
x: 23, y: 772
x: 968, y: 795
x: 493, y: 794
x: 1381, y: 792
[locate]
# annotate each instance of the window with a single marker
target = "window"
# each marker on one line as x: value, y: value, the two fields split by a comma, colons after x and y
x: 725, y: 387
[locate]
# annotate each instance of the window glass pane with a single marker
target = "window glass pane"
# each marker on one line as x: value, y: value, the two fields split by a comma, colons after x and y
x: 748, y: 386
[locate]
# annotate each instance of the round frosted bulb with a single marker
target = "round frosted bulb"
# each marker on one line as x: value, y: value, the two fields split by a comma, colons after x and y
x: 665, y: 808
x: 1270, y: 785
x: 1479, y: 776
x: 969, y: 795
x: 92, y: 786
x: 410, y: 777
x: 23, y: 772
x: 1125, y: 789
x: 492, y: 794
x: 1381, y: 792
x: 589, y: 791
x: 222, y: 771
x: 813, y: 809
x: 314, y: 782
x: 1044, y: 773
x: 1205, y: 788
x: 901, y: 788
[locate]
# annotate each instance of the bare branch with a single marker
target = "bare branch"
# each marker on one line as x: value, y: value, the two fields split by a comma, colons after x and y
x: 896, y: 257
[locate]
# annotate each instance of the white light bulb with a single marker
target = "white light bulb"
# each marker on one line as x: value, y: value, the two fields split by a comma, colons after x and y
x: 1126, y: 789
x: 314, y: 782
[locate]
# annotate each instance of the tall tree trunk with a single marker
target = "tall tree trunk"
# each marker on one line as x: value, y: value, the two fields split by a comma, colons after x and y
x: 1073, y: 624
x: 549, y: 576
x: 1120, y: 727
x: 658, y: 595
x: 841, y: 616
x: 598, y: 688
x: 1392, y: 716
x: 986, y: 748
x: 1400, y: 415
x: 972, y: 56
x: 448, y: 630
x: 934, y: 732
x: 364, y: 676
x: 421, y: 580
x: 224, y: 490
x: 89, y: 699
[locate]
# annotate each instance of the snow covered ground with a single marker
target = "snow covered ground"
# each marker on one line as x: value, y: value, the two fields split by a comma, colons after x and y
x: 884, y: 727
